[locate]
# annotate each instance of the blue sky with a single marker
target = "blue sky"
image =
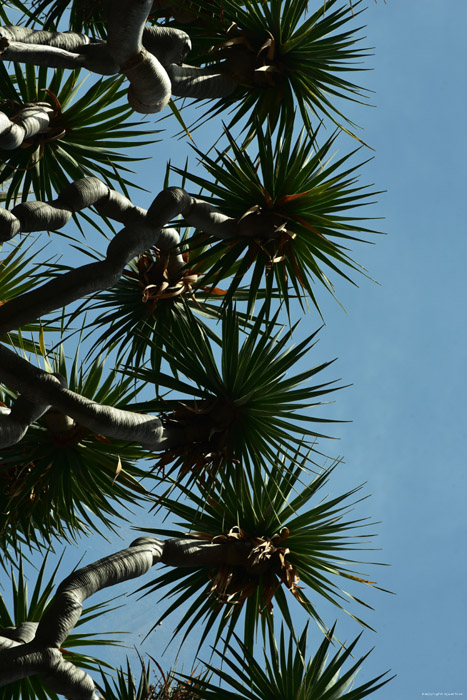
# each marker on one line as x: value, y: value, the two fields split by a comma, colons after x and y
x: 402, y: 346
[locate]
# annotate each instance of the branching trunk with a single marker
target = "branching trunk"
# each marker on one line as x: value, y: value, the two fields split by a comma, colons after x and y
x: 43, y: 389
x: 35, y: 648
x: 14, y: 422
x: 139, y: 52
x: 48, y: 56
x: 143, y: 230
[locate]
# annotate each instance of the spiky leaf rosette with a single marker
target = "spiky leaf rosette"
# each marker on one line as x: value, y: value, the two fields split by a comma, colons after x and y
x: 88, y: 133
x: 294, y: 205
x: 276, y: 541
x: 124, y: 687
x: 61, y: 479
x: 245, y: 406
x: 166, y: 687
x: 287, y: 673
x: 16, y: 278
x: 31, y: 608
x: 279, y: 58
x: 147, y: 303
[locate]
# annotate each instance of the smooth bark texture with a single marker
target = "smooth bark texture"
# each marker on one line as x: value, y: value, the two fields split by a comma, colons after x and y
x: 34, y: 648
x: 29, y: 121
x: 69, y: 41
x: 139, y: 52
x: 14, y: 422
x: 150, y: 57
x: 22, y: 634
x: 37, y: 55
x: 40, y: 388
x: 143, y: 230
x: 200, y: 82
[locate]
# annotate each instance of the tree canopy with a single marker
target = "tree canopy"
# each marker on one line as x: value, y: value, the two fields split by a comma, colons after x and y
x: 164, y: 371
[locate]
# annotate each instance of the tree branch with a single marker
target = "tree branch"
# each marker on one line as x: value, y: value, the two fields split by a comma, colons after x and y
x: 32, y: 119
x: 200, y: 82
x: 138, y: 52
x: 15, y: 422
x: 42, y: 388
x: 143, y: 230
x: 34, y: 648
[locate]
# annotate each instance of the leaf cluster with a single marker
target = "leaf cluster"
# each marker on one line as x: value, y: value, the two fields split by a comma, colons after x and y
x: 281, y: 59
x: 89, y: 132
x: 294, y: 203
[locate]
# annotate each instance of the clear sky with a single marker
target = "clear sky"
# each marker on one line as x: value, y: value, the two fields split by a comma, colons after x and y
x: 402, y: 345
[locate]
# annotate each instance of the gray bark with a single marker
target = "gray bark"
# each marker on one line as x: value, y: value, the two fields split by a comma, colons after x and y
x: 125, y: 23
x: 138, y: 52
x: 167, y: 44
x: 40, y: 388
x: 38, y: 55
x: 150, y: 88
x: 22, y: 634
x: 31, y: 120
x: 69, y: 41
x: 210, y: 220
x: 200, y: 82
x: 14, y: 422
x: 143, y: 230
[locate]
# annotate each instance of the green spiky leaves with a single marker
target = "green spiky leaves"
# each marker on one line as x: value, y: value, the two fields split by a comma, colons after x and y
x: 294, y: 206
x: 288, y: 673
x: 284, y: 543
x: 30, y: 608
x: 86, y: 135
x: 281, y: 58
x: 17, y: 278
x: 239, y: 401
x: 148, y: 302
x: 165, y: 687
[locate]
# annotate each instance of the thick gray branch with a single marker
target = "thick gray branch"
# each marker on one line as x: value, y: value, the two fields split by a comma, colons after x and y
x: 22, y: 635
x: 34, y: 648
x: 40, y: 387
x: 23, y: 660
x: 138, y: 52
x: 69, y: 41
x: 31, y: 120
x: 14, y: 422
x: 200, y: 82
x: 142, y: 233
x: 143, y: 230
x: 49, y: 56
x: 210, y: 220
x: 167, y: 44
x: 65, y: 610
x: 125, y: 23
